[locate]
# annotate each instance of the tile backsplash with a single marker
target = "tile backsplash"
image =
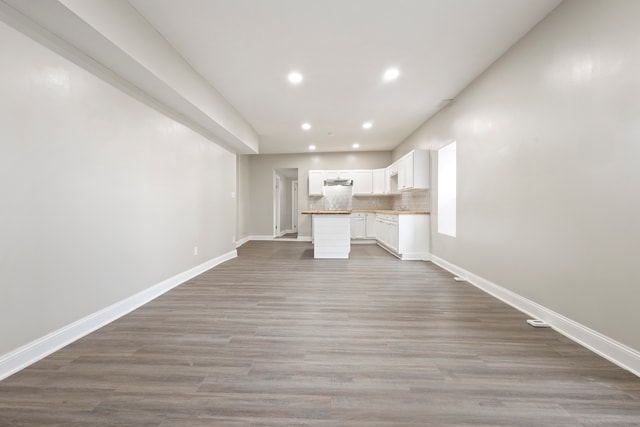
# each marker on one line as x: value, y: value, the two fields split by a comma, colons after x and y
x: 410, y: 200
x: 372, y: 202
x: 337, y: 197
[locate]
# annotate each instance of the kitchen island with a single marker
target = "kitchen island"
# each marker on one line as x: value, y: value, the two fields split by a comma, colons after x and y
x: 330, y: 233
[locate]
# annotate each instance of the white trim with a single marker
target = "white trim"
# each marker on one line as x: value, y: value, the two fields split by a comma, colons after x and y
x: 266, y: 237
x: 261, y: 237
x: 30, y: 353
x: 408, y: 256
x: 363, y: 241
x: 391, y: 251
x: 612, y: 350
x: 242, y: 241
x: 415, y: 256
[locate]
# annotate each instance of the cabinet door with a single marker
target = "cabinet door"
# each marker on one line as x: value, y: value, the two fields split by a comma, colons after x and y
x: 316, y: 181
x: 414, y: 173
x: 385, y: 232
x: 378, y: 177
x: 393, y: 235
x: 370, y: 229
x: 421, y: 169
x: 408, y: 168
x: 394, y: 176
x: 358, y: 226
x: 338, y: 174
x: 379, y: 228
x: 362, y: 181
x: 413, y: 236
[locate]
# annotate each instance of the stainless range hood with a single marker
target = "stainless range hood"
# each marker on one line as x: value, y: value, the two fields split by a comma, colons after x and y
x: 335, y: 181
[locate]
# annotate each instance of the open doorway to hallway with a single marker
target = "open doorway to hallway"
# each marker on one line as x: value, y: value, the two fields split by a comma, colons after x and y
x: 285, y: 203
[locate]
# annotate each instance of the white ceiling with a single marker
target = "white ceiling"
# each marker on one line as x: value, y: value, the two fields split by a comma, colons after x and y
x: 246, y: 48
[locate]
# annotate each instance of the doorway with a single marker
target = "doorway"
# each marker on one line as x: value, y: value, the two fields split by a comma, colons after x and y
x: 277, y: 206
x: 285, y: 203
x: 294, y: 206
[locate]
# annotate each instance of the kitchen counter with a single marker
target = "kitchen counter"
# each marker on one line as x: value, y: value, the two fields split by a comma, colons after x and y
x: 330, y: 233
x: 391, y: 211
x: 383, y: 211
x: 319, y: 212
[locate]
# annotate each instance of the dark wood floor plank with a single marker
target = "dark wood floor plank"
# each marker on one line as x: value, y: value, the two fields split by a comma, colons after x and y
x: 278, y: 338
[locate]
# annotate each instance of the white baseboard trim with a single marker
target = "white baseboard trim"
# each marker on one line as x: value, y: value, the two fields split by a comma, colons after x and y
x: 261, y: 237
x: 242, y: 241
x: 30, y: 353
x: 363, y: 241
x: 415, y: 256
x: 271, y: 238
x: 612, y: 350
x: 409, y: 256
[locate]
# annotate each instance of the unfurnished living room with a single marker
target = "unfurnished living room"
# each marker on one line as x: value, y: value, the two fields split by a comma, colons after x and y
x: 319, y: 213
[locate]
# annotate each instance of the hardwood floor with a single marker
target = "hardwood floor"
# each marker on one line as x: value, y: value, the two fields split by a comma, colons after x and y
x: 277, y: 338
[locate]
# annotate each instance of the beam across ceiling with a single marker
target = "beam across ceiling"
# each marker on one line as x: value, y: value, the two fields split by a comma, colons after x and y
x: 111, y: 39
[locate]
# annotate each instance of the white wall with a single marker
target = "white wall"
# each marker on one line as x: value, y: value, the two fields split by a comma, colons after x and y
x: 102, y: 197
x: 548, y: 154
x: 259, y: 219
x: 244, y: 195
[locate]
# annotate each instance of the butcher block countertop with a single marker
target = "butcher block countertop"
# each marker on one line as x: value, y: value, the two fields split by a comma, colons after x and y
x: 383, y: 211
x: 327, y: 212
x: 391, y: 212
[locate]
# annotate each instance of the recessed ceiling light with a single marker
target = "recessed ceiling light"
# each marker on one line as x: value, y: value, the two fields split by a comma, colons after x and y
x: 312, y: 147
x: 391, y: 74
x: 356, y: 145
x: 306, y: 126
x: 295, y: 77
x: 367, y: 125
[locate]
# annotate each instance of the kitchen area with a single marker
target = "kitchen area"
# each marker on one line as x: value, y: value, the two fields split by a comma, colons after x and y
x: 385, y: 206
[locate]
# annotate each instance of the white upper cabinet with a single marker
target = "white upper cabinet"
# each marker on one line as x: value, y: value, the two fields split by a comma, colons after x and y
x: 362, y: 181
x: 393, y: 176
x: 379, y: 181
x: 338, y: 174
x: 412, y: 171
x: 316, y: 181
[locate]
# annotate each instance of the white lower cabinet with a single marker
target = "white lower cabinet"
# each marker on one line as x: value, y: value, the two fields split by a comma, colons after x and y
x: 363, y: 226
x: 405, y: 235
x: 387, y: 231
x: 370, y: 221
x: 358, y: 225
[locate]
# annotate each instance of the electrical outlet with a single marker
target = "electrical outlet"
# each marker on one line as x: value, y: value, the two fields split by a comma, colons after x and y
x: 195, y: 250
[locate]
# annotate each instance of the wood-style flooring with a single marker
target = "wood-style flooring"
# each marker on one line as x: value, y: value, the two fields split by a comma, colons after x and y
x: 277, y: 338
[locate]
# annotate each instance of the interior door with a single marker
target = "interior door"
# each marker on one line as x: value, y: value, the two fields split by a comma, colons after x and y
x: 294, y: 206
x: 276, y: 206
